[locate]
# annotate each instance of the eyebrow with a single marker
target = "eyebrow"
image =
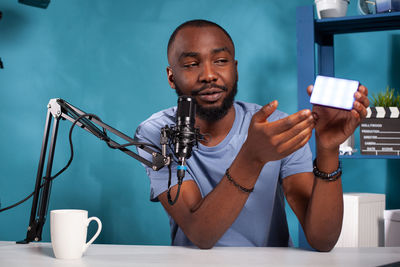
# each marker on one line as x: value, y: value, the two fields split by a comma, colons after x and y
x: 221, y: 49
x: 188, y: 54
x: 195, y: 54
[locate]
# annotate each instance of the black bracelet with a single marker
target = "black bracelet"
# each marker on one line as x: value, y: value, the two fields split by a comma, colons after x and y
x: 243, y: 189
x: 333, y: 176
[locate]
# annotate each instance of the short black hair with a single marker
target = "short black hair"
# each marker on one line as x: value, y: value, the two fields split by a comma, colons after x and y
x: 196, y: 23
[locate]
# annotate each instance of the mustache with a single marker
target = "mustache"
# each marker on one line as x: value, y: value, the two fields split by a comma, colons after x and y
x: 208, y: 86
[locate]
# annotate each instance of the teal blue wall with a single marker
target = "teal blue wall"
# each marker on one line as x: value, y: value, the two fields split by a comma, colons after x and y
x: 109, y: 58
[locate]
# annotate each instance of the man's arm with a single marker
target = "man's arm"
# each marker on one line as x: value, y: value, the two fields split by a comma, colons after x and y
x: 318, y: 206
x: 205, y: 220
x: 317, y: 203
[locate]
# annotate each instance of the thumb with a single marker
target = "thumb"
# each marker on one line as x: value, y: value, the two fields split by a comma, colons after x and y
x: 310, y: 89
x: 265, y: 111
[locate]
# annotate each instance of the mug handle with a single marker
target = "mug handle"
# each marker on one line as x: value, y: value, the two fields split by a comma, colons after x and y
x: 96, y: 234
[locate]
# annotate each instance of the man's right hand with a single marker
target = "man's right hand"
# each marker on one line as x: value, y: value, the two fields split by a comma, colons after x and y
x: 270, y: 141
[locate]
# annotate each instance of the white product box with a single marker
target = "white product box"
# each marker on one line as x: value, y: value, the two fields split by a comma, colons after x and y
x: 362, y: 220
x: 392, y: 228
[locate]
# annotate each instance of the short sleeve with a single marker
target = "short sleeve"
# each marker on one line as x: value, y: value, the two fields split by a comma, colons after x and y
x: 150, y: 133
x: 297, y: 162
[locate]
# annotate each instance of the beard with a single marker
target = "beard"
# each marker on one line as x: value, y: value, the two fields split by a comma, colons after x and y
x: 213, y: 114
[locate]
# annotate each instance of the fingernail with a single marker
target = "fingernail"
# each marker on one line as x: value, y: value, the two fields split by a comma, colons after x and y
x: 305, y: 113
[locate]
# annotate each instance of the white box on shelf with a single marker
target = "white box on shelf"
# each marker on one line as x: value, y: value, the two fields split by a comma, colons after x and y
x: 392, y: 228
x: 362, y: 220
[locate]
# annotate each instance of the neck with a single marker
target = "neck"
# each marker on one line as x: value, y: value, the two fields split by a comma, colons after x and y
x: 215, y: 132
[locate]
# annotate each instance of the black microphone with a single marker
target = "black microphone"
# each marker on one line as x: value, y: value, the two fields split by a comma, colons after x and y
x: 186, y: 135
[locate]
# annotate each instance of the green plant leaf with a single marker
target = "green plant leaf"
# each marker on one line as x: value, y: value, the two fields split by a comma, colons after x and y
x: 386, y: 99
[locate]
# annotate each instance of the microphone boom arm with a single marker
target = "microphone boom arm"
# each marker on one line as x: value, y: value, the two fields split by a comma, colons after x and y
x: 60, y: 109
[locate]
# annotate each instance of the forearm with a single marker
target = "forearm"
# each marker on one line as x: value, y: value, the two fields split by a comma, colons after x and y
x: 324, y: 215
x: 323, y: 208
x: 207, y: 222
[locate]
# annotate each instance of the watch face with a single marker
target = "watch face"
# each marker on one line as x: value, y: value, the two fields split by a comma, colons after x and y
x: 334, y: 92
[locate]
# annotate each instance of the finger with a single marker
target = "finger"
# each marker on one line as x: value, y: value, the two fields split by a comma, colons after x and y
x: 355, y: 114
x: 362, y: 89
x: 361, y: 98
x: 360, y: 110
x: 309, y: 89
x: 307, y: 124
x: 288, y: 122
x: 295, y: 143
x: 265, y: 111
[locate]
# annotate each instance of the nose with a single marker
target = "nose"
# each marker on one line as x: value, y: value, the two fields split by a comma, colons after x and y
x: 208, y: 73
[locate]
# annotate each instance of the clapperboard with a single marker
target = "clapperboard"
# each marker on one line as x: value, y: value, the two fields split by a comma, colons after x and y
x: 380, y: 131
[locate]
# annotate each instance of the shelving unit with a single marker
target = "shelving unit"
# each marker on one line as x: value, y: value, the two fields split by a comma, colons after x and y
x: 315, y: 49
x: 315, y: 55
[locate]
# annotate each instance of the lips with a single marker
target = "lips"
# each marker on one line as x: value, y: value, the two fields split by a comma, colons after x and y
x: 211, y: 94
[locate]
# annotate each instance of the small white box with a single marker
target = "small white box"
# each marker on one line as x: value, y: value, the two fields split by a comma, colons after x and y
x: 362, y: 220
x: 392, y: 228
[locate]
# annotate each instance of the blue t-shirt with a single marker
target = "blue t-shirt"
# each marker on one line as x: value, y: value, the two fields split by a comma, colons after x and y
x: 262, y: 221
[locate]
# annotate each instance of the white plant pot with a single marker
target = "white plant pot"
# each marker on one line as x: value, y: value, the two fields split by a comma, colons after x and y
x: 331, y: 8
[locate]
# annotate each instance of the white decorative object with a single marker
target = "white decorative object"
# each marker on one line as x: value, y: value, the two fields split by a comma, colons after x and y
x: 383, y: 6
x: 347, y: 147
x: 362, y: 220
x: 331, y: 8
x: 380, y: 131
x: 392, y: 228
x: 366, y: 7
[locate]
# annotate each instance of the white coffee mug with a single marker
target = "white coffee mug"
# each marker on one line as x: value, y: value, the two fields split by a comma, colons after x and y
x: 68, y: 231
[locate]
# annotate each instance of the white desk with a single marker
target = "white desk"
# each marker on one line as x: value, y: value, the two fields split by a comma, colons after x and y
x: 41, y: 254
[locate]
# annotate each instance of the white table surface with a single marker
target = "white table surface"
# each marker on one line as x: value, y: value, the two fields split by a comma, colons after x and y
x: 41, y: 254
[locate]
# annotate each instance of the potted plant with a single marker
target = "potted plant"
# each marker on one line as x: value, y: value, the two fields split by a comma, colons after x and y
x: 380, y: 130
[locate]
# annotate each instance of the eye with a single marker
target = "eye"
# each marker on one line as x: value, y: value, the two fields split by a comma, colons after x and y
x: 221, y: 61
x: 190, y: 65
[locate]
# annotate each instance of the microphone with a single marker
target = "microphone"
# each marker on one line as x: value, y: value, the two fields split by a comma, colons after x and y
x: 185, y: 134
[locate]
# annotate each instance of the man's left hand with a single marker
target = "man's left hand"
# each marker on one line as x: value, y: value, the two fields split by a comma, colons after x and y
x: 334, y: 126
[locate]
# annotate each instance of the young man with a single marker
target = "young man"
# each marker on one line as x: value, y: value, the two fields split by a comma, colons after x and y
x: 233, y: 192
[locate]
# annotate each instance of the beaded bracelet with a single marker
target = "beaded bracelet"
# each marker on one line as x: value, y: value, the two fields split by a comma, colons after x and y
x: 243, y: 189
x: 333, y: 176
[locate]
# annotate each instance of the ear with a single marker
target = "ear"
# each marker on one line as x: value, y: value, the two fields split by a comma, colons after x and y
x: 237, y: 73
x: 170, y: 77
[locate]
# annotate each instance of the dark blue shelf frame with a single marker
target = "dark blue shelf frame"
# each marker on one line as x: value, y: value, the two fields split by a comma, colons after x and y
x: 315, y: 55
x: 315, y: 48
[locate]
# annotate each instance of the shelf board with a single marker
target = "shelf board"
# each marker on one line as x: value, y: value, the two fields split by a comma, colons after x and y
x: 359, y: 156
x: 354, y: 24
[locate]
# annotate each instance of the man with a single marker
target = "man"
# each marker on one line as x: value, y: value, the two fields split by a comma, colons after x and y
x: 233, y: 192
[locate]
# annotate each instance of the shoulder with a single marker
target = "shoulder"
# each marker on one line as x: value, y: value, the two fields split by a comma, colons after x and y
x: 156, y: 121
x: 248, y: 109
